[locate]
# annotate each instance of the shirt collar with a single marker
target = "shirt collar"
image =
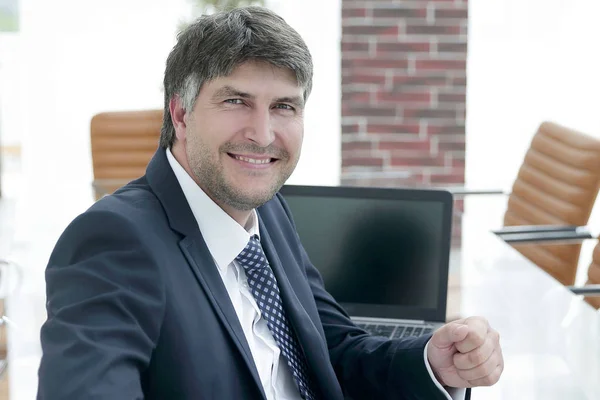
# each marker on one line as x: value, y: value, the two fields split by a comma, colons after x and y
x: 224, y: 236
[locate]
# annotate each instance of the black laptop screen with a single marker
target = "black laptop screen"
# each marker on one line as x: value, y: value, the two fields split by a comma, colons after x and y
x: 377, y: 249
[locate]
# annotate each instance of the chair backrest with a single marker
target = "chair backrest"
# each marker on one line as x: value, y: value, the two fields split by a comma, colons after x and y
x: 594, y: 275
x: 122, y: 145
x: 557, y: 184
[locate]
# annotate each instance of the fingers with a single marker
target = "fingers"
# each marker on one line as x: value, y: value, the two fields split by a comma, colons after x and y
x: 481, y: 366
x: 449, y: 334
x: 475, y: 338
x: 490, y: 379
x: 466, y: 361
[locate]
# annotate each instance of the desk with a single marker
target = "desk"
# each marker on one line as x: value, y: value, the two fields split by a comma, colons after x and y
x: 551, y: 339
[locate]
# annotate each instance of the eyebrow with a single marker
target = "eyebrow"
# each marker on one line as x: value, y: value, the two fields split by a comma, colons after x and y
x: 230, y: 91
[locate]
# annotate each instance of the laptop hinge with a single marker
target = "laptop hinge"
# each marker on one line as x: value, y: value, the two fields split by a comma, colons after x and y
x: 387, y: 320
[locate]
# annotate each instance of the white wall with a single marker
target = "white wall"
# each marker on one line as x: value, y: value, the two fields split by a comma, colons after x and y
x: 529, y: 61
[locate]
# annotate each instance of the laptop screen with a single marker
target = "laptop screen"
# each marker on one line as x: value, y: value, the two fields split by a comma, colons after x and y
x: 381, y: 252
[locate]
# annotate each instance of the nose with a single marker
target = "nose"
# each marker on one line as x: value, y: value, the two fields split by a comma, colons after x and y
x: 260, y: 130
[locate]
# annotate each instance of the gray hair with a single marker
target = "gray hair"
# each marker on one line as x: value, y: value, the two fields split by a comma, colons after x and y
x: 214, y: 45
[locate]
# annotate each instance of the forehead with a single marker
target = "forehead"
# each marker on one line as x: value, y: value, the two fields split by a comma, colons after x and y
x: 254, y: 76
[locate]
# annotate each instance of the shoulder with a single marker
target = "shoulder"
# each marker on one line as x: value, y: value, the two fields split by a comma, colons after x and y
x: 130, y: 215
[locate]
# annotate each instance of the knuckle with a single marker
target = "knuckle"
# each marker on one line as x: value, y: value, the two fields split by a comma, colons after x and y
x: 478, y: 338
x: 476, y: 357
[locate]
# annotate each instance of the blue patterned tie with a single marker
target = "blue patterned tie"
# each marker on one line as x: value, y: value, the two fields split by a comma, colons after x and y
x: 263, y: 286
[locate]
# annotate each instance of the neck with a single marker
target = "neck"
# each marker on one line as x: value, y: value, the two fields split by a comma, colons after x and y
x: 241, y: 217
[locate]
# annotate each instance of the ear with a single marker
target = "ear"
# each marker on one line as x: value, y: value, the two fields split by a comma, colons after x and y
x: 178, y: 117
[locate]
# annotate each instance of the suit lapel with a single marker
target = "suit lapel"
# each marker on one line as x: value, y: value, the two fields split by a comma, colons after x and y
x: 205, y: 270
x: 163, y: 182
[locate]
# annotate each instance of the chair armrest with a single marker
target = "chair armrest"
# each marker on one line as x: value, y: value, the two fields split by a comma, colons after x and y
x: 551, y: 236
x: 587, y: 290
x: 534, y: 229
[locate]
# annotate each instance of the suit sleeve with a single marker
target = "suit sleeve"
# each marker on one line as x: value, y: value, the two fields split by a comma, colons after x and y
x: 105, y: 304
x: 369, y: 367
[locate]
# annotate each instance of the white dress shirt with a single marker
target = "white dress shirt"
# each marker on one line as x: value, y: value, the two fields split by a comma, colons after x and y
x: 225, y: 239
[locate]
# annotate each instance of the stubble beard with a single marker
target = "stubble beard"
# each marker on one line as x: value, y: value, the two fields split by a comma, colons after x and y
x: 210, y: 173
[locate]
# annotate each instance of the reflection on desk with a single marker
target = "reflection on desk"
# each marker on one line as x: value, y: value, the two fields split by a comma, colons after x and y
x: 550, y: 337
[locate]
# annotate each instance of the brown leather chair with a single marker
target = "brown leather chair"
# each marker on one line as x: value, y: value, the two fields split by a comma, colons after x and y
x: 557, y: 185
x: 122, y: 145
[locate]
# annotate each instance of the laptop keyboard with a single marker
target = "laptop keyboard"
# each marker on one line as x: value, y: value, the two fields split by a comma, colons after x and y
x: 396, y: 331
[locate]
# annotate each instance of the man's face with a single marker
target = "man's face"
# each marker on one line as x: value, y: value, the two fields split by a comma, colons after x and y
x: 243, y: 137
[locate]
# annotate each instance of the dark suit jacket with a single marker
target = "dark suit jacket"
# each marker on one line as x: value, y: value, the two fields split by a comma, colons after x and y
x: 137, y: 309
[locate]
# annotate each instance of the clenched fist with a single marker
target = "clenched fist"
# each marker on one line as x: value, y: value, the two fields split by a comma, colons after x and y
x: 466, y: 353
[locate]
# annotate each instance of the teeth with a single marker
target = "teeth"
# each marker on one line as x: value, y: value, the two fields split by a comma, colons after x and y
x: 252, y: 160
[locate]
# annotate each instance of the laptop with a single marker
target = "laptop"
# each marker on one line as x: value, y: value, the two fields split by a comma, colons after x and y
x: 383, y: 253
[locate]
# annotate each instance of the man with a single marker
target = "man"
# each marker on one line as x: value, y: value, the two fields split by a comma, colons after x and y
x: 191, y: 283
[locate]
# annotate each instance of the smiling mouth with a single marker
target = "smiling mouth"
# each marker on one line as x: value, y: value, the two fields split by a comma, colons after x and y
x: 250, y: 160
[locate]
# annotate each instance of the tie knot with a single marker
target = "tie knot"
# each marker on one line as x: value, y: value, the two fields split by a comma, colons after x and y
x: 252, y: 256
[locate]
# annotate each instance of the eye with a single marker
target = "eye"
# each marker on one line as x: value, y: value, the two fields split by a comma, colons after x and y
x: 234, y: 101
x: 283, y: 106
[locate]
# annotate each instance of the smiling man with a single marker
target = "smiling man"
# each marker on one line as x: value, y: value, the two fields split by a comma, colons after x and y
x: 191, y: 283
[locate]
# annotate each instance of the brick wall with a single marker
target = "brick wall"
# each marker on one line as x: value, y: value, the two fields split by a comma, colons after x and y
x: 403, y: 92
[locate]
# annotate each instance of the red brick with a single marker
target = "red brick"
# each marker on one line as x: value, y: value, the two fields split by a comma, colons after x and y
x: 363, y: 78
x: 423, y: 97
x: 370, y: 30
x: 459, y: 164
x: 365, y: 111
x: 428, y: 113
x: 352, y: 146
x: 433, y: 29
x: 444, y: 13
x: 375, y: 63
x: 422, y: 145
x: 444, y: 146
x: 454, y: 129
x: 417, y: 161
x: 441, y: 65
x: 460, y: 98
x: 356, y: 98
x: 452, y: 177
x: 350, y: 128
x: 458, y: 81
x: 399, y: 11
x: 403, y: 47
x: 354, y: 12
x: 406, y: 81
x: 452, y: 47
x: 362, y: 161
x: 393, y: 128
x: 355, y: 46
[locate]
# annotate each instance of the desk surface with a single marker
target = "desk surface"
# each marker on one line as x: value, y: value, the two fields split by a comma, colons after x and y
x: 551, y: 339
